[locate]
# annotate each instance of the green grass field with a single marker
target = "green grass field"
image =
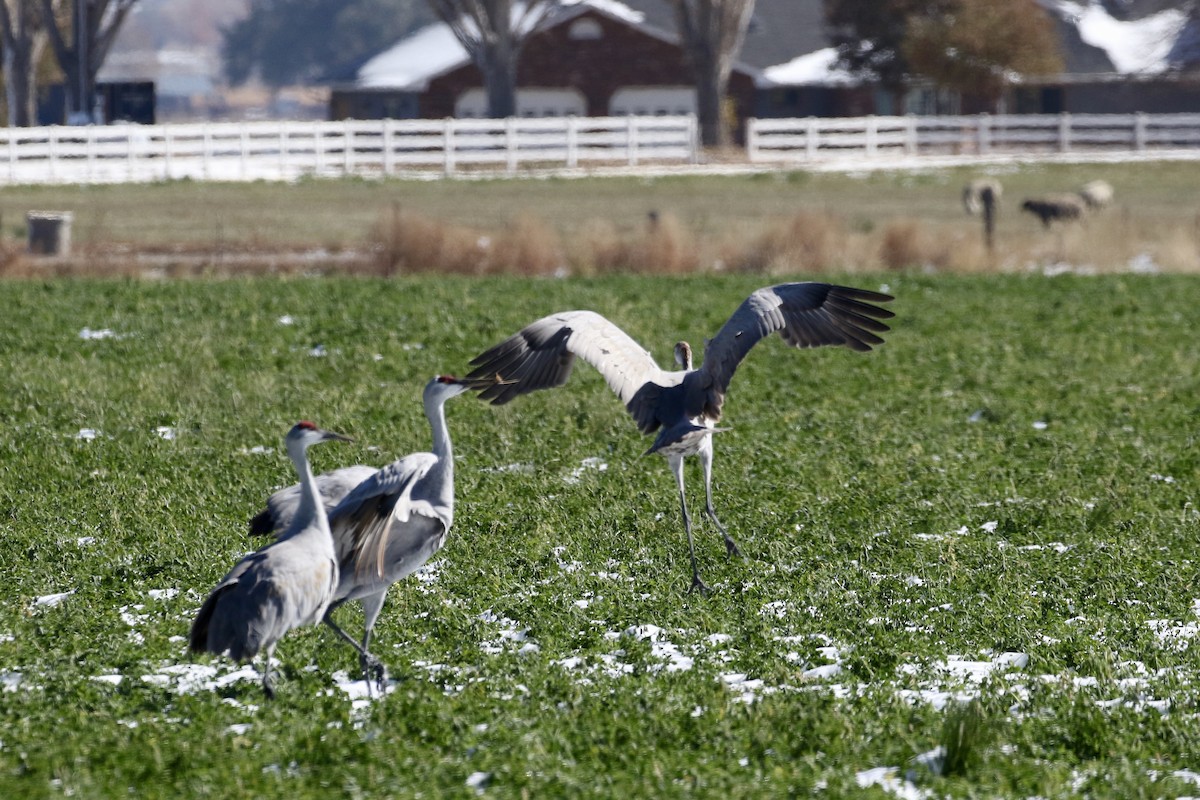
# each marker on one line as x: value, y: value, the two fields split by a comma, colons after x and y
x: 980, y: 536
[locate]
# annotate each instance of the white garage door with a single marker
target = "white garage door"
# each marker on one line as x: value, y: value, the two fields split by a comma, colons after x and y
x: 653, y: 101
x: 530, y: 103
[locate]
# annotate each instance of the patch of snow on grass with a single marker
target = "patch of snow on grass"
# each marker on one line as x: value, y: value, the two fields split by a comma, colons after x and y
x: 193, y: 678
x: 1174, y: 635
x: 888, y: 779
x: 591, y: 463
x: 52, y: 600
x: 95, y: 335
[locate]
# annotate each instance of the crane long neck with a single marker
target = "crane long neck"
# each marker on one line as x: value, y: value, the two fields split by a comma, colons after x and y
x: 435, y: 411
x: 310, y: 506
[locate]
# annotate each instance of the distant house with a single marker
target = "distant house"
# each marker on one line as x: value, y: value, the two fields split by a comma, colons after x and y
x: 1140, y: 60
x: 588, y: 58
x: 615, y: 57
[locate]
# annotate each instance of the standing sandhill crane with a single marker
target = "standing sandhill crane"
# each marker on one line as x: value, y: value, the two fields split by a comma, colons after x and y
x: 683, y: 406
x: 289, y: 583
x: 388, y: 522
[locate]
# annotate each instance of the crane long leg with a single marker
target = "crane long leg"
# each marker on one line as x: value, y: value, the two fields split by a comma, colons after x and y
x: 268, y: 686
x: 365, y: 659
x: 731, y: 547
x: 676, y: 463
x: 372, y: 667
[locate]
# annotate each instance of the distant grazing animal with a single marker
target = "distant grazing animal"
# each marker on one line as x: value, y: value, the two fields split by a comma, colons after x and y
x: 287, y: 584
x: 1052, y: 207
x: 980, y: 194
x: 683, y: 406
x: 982, y: 197
x: 1096, y: 194
x: 386, y: 523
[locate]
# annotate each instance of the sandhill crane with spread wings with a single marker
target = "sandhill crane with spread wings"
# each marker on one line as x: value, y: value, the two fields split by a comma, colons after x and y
x: 386, y: 523
x: 287, y: 584
x: 685, y: 405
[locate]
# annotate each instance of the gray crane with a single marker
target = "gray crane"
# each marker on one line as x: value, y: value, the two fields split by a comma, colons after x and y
x: 287, y: 584
x: 685, y: 405
x: 386, y: 522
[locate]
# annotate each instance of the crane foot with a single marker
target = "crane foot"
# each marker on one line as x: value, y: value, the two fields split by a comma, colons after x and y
x: 374, y: 673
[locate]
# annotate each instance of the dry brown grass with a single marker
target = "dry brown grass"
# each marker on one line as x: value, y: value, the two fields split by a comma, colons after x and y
x: 406, y: 241
x: 777, y: 224
x: 806, y: 241
x: 527, y: 247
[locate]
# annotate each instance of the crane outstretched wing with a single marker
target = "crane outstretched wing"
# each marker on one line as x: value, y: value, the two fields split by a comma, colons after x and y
x: 804, y: 314
x: 360, y: 523
x: 332, y: 486
x: 541, y: 355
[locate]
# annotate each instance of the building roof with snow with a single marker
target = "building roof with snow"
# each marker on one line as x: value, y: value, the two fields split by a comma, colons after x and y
x: 411, y: 63
x: 788, y: 45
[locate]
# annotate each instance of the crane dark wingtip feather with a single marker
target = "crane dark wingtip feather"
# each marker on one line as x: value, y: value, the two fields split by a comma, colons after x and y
x: 262, y: 524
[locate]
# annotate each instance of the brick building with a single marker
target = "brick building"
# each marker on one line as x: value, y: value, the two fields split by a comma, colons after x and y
x: 591, y: 58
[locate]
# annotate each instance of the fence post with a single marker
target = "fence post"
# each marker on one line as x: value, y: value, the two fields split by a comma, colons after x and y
x: 871, y: 136
x: 572, y: 141
x: 631, y: 139
x: 510, y: 146
x: 1139, y: 131
x: 389, y: 158
x: 448, y: 145
x: 283, y: 150
x: 243, y: 150
x: 984, y: 143
x: 347, y: 148
x: 319, y: 148
x: 130, y: 154
x: 1064, y: 132
x: 89, y: 145
x: 166, y: 152
x: 751, y: 139
x: 53, y: 165
x: 207, y: 154
x: 810, y: 138
x: 12, y: 155
x: 693, y: 128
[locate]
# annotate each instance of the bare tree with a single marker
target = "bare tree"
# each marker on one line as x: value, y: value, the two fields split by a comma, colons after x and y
x: 712, y: 32
x: 24, y: 36
x: 493, y: 33
x: 81, y: 44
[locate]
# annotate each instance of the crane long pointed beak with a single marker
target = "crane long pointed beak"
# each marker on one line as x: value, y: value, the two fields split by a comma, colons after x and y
x: 330, y: 436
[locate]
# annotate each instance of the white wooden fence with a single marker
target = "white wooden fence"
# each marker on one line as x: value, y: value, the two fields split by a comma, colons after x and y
x: 289, y: 150
x: 817, y: 138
